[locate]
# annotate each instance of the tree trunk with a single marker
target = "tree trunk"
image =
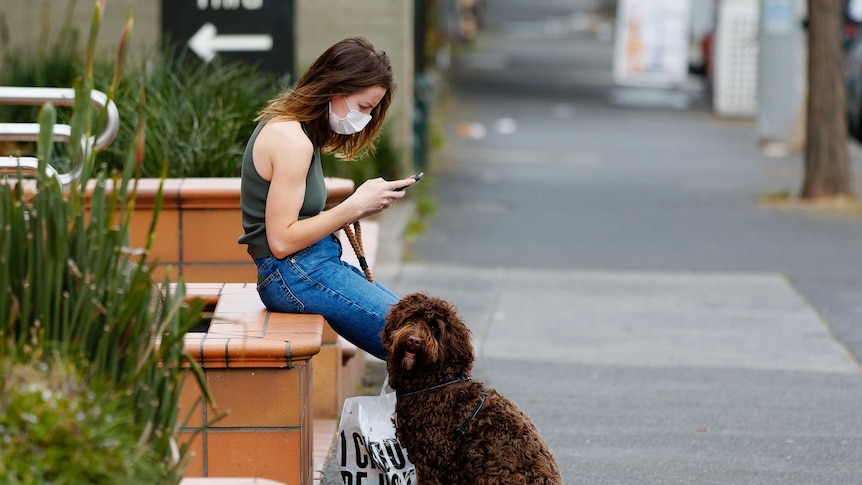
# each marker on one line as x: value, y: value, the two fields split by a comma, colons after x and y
x: 827, y: 162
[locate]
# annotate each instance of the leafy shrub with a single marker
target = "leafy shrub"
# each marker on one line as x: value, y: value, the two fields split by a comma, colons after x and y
x: 73, y: 288
x: 55, y: 429
x: 56, y: 64
x: 199, y: 115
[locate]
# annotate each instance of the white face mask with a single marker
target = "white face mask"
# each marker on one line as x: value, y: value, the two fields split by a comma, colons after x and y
x: 354, y: 122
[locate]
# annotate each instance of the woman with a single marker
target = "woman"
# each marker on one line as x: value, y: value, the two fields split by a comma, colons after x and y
x: 338, y: 105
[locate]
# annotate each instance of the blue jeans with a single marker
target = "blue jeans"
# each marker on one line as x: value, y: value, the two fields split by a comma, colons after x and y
x: 316, y: 280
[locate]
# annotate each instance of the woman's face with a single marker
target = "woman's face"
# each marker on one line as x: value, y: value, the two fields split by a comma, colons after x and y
x: 363, y: 101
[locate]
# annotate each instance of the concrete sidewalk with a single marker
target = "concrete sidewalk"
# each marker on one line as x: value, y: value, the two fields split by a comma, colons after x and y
x: 713, y: 344
x: 624, y: 284
x: 731, y: 375
x: 652, y: 320
x: 662, y: 378
x: 639, y: 378
x: 656, y: 377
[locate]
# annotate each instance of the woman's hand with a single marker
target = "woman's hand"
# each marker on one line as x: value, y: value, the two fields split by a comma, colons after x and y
x: 376, y: 195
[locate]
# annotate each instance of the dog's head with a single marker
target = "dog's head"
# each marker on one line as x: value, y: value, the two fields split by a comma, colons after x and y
x: 425, y: 335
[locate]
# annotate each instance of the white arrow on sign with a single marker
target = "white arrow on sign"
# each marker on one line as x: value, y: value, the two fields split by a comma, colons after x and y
x: 206, y: 42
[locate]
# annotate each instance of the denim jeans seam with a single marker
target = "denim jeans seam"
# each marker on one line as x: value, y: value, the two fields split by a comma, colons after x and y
x: 333, y: 292
x: 276, y: 278
x: 302, y: 274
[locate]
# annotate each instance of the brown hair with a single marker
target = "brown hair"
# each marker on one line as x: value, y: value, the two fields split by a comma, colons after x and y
x: 349, y: 66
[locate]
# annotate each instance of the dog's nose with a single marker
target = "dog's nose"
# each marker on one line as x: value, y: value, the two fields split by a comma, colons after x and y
x: 413, y: 342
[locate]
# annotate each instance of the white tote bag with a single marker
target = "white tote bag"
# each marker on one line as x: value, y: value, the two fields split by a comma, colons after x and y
x: 367, y: 450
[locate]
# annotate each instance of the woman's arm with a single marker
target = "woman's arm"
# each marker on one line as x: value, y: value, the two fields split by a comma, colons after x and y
x: 282, y: 155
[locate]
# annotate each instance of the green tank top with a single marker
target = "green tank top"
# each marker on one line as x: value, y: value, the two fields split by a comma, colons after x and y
x: 253, y: 192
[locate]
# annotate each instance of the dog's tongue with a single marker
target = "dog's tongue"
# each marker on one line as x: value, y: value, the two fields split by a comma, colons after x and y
x: 408, y: 360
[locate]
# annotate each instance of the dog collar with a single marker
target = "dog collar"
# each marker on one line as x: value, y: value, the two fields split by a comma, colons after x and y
x: 438, y: 386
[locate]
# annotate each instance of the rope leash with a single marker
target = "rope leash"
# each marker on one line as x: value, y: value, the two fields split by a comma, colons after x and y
x: 356, y: 243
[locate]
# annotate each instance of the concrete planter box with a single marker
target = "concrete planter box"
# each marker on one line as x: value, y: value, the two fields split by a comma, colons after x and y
x: 199, y: 223
x: 258, y: 367
x: 257, y: 364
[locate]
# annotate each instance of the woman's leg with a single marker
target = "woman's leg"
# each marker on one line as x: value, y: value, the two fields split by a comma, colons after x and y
x: 315, y: 280
x: 362, y: 274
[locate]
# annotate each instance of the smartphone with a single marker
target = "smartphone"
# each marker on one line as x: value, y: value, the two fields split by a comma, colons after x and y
x: 416, y: 177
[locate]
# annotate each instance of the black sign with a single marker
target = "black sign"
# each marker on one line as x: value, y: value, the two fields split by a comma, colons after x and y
x: 259, y: 32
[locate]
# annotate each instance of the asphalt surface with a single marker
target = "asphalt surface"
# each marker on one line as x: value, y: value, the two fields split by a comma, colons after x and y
x: 624, y: 282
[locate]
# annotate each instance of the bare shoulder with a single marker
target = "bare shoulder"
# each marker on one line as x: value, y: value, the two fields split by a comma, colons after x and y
x: 282, y: 144
x: 284, y: 135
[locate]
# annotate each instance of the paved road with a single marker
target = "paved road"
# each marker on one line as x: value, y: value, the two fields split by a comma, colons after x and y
x: 623, y: 284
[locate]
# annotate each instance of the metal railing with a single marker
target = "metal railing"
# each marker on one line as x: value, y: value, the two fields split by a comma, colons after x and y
x: 26, y: 96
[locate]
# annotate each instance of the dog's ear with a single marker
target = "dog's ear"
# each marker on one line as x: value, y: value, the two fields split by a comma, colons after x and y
x: 456, y: 339
x: 454, y: 335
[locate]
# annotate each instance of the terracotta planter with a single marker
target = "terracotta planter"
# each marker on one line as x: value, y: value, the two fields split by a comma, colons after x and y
x: 258, y: 367
x: 257, y: 364
x: 198, y: 227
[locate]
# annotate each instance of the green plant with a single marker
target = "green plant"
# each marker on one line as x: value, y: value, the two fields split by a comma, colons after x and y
x: 55, y: 429
x: 75, y: 289
x: 56, y: 63
x: 777, y: 196
x: 199, y: 114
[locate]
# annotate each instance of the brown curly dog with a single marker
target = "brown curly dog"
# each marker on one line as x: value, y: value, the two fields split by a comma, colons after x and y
x: 455, y: 430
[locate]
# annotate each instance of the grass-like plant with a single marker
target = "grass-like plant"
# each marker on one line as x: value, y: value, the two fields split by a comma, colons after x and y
x: 81, y: 304
x: 56, y: 63
x: 199, y: 114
